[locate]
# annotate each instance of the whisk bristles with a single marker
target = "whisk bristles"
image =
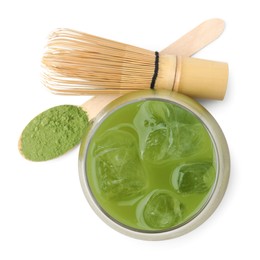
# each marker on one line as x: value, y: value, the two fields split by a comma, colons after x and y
x: 79, y: 63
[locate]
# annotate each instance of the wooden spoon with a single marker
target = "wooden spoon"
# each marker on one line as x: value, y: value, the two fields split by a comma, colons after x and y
x: 187, y: 45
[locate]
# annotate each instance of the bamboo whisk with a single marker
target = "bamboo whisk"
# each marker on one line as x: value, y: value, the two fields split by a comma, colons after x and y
x: 79, y: 63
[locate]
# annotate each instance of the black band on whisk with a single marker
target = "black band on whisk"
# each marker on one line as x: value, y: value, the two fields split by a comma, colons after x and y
x: 156, y: 69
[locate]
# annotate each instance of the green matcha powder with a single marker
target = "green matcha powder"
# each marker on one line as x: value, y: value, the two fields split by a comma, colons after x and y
x: 53, y: 132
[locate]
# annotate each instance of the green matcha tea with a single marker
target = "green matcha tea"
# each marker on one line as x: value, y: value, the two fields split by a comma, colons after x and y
x: 151, y: 165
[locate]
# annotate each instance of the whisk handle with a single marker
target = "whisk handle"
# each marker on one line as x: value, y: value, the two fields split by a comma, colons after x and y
x: 194, y: 77
x: 201, y: 78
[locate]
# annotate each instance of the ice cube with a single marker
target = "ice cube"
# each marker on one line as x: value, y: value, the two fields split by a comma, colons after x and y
x: 186, y: 140
x: 120, y: 174
x: 162, y: 210
x: 193, y: 178
x: 166, y: 131
x: 151, y: 123
x: 156, y: 145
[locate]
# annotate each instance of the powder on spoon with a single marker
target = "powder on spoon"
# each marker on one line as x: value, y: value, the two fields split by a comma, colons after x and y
x: 53, y: 132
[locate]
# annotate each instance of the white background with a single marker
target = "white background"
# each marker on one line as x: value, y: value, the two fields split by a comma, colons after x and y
x: 43, y: 212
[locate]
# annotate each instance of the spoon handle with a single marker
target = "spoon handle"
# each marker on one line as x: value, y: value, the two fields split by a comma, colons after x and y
x: 196, y: 39
x: 187, y: 45
x: 94, y: 105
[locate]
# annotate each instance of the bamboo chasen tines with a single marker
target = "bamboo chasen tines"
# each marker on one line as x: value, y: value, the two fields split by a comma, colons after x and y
x: 79, y: 63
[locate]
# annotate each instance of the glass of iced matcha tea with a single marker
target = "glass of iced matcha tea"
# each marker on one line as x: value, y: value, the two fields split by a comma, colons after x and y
x: 154, y: 164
